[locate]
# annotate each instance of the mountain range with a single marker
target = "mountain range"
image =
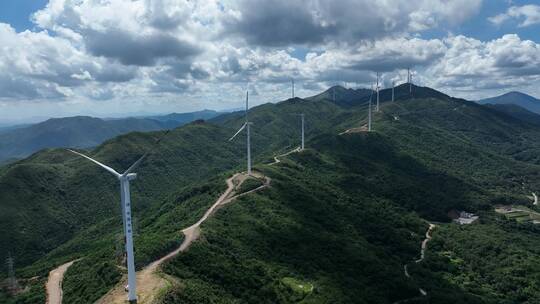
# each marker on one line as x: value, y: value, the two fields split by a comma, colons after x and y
x: 84, y: 132
x: 346, y: 217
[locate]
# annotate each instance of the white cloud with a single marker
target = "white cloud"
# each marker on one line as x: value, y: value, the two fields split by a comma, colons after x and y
x: 284, y: 22
x: 172, y: 54
x: 471, y: 65
x: 527, y: 15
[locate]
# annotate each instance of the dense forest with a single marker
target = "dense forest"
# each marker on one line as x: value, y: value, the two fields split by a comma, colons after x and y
x: 337, y: 224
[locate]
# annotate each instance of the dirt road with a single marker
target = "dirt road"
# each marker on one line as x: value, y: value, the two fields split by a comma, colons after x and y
x: 150, y: 281
x: 277, y: 160
x: 422, y: 255
x: 425, y: 242
x: 54, y: 283
x: 363, y: 128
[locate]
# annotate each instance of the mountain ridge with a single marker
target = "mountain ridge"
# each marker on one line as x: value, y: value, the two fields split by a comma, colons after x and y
x: 523, y: 100
x: 84, y: 131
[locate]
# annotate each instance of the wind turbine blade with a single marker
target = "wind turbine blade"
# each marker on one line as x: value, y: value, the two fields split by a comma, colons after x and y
x: 111, y: 170
x: 242, y: 128
x: 136, y: 164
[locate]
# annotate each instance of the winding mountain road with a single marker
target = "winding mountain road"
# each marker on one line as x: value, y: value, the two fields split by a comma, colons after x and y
x: 422, y: 256
x: 363, y: 128
x: 277, y: 160
x: 151, y: 282
x: 54, y: 283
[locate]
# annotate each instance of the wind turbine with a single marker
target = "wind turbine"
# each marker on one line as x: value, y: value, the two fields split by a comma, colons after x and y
x: 125, y: 196
x: 369, y: 109
x: 393, y: 87
x: 246, y: 126
x: 302, y: 118
x: 409, y: 80
x: 377, y: 108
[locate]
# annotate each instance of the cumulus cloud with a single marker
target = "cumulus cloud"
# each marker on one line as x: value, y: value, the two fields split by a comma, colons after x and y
x: 527, y: 15
x: 473, y: 64
x: 149, y: 52
x: 284, y: 22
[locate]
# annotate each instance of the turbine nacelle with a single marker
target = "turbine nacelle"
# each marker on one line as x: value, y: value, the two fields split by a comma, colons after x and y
x: 131, y: 176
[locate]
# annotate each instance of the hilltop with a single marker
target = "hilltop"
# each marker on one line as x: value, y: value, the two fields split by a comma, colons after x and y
x: 344, y: 216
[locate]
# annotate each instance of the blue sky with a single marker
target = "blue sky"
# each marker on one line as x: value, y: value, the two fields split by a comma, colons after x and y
x: 18, y: 12
x: 479, y: 27
x: 84, y: 58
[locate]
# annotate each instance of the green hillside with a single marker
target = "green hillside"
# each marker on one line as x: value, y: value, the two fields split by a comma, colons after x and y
x: 343, y: 217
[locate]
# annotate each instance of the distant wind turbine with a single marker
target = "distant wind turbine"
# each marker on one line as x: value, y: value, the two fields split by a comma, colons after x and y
x: 393, y: 87
x: 409, y: 80
x: 125, y: 196
x: 369, y: 109
x: 377, y: 108
x: 302, y: 118
x: 246, y: 126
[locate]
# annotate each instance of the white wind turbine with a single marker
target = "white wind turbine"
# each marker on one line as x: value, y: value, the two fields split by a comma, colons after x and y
x: 377, y: 108
x: 393, y: 87
x: 125, y: 196
x: 246, y: 125
x: 409, y: 80
x: 302, y: 118
x: 369, y: 109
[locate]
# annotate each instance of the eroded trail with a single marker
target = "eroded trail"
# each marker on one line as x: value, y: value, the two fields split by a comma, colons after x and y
x: 277, y: 160
x: 422, y: 255
x: 150, y: 281
x: 363, y: 128
x: 54, y: 283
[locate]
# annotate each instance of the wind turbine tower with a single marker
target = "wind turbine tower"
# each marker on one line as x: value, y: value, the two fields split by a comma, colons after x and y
x: 409, y: 80
x: 369, y: 109
x: 125, y: 196
x: 393, y: 88
x: 302, y: 117
x: 246, y: 126
x: 377, y: 108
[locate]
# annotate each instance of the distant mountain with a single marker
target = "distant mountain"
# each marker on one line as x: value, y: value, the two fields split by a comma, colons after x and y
x: 517, y: 98
x: 516, y: 112
x: 352, y: 97
x: 177, y: 119
x: 343, y: 96
x: 84, y: 132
